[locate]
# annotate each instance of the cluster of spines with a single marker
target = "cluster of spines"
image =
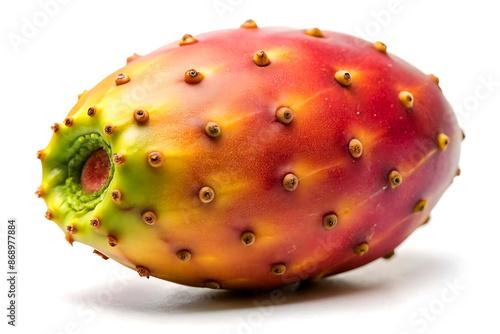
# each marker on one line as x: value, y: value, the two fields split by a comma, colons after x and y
x: 206, y: 194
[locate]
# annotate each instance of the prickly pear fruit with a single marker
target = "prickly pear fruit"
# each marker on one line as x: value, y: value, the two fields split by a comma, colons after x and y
x: 252, y: 158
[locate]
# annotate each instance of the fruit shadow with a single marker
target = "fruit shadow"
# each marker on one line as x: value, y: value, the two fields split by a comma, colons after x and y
x: 366, y: 287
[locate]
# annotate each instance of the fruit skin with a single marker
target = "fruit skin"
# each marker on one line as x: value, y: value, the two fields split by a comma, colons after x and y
x: 207, y: 193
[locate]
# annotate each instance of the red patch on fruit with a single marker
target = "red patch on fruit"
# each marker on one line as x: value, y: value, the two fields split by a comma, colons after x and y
x: 95, y: 171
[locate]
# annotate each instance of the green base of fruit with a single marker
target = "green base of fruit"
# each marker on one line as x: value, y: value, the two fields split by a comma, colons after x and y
x: 79, y: 152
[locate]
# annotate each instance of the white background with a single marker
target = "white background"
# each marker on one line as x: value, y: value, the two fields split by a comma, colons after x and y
x: 69, y: 290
